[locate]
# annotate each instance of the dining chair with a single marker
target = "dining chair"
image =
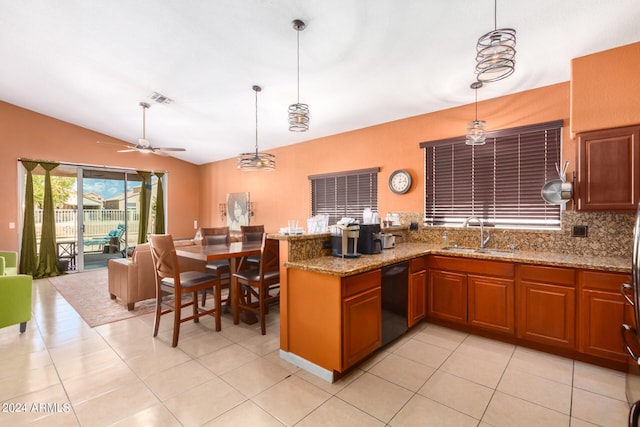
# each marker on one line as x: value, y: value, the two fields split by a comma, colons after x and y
x: 255, y: 287
x: 170, y: 281
x: 252, y: 233
x: 216, y: 236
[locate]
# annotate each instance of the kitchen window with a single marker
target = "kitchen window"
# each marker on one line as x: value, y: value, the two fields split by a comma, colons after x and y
x: 499, y: 181
x: 344, y: 194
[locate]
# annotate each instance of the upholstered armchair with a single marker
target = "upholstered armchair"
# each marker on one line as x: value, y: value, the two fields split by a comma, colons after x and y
x: 15, y: 292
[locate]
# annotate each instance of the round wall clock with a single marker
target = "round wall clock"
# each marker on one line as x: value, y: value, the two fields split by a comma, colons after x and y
x: 400, y: 181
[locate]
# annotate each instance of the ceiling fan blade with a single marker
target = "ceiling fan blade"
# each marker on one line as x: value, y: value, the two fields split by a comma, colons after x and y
x: 169, y: 149
x: 119, y: 144
x: 128, y: 150
x: 159, y: 153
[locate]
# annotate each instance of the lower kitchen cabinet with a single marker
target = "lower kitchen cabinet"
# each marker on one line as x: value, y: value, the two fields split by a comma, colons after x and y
x: 602, y: 311
x: 474, y: 292
x: 417, y: 309
x: 546, y: 305
x: 362, y: 317
x: 447, y: 297
x: 491, y: 303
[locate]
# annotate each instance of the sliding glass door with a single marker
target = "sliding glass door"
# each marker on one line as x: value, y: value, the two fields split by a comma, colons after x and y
x: 96, y: 212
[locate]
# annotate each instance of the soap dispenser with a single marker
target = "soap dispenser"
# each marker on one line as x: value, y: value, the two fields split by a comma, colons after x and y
x: 445, y: 239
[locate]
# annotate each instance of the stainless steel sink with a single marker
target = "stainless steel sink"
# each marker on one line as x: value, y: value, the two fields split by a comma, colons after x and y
x: 478, y: 251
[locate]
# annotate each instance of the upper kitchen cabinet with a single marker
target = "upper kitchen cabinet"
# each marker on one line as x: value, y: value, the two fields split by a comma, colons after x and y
x: 605, y: 89
x: 608, y: 170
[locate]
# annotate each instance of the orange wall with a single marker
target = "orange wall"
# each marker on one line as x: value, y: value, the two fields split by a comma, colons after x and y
x: 25, y: 134
x: 285, y: 194
x: 605, y: 89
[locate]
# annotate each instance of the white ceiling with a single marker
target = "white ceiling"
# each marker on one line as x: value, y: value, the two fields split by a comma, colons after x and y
x: 362, y: 62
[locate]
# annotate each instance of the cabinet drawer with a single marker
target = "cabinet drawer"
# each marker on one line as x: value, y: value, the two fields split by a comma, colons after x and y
x: 418, y: 264
x: 476, y: 266
x: 555, y: 275
x: 361, y: 282
x: 602, y: 280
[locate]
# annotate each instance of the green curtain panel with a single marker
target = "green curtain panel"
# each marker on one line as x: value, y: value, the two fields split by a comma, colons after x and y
x: 48, y: 259
x: 29, y: 250
x: 159, y: 228
x: 144, y: 207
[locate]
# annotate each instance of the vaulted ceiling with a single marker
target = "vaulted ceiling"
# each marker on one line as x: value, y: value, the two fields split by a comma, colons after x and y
x: 362, y: 62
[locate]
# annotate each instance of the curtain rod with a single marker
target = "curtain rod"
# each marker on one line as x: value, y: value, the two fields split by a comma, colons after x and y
x: 90, y: 165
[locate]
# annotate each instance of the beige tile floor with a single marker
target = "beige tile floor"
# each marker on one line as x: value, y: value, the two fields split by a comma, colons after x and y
x: 63, y: 373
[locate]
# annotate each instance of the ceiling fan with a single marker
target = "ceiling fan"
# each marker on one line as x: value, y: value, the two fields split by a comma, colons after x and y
x: 143, y: 145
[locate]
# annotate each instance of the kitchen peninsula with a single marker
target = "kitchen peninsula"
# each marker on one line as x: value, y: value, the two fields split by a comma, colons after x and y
x: 330, y: 306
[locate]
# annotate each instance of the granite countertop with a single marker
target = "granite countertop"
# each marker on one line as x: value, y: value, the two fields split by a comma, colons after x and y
x: 403, y: 251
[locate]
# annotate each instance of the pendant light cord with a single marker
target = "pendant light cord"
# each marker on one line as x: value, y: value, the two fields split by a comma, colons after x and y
x: 495, y: 15
x: 256, y: 122
x: 298, y: 38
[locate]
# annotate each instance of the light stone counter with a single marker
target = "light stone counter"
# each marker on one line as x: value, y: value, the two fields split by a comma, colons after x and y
x: 403, y: 251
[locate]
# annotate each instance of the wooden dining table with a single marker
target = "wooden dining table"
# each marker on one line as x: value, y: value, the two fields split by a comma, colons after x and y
x: 235, y: 252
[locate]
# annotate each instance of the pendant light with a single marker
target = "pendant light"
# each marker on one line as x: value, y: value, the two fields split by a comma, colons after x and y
x: 496, y: 53
x: 298, y: 113
x: 257, y: 161
x: 476, y: 130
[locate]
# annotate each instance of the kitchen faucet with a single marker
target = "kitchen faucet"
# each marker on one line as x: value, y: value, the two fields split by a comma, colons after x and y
x: 483, y: 241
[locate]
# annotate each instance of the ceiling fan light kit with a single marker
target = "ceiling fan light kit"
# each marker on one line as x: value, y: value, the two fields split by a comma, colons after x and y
x: 257, y: 161
x: 298, y: 113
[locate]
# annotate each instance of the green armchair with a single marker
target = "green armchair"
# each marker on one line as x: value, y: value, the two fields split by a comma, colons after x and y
x: 15, y: 292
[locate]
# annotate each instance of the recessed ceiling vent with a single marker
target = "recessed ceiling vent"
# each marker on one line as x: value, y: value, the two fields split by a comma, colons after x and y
x: 160, y: 98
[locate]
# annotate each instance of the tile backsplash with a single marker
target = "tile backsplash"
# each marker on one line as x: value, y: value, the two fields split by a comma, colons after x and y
x: 609, y: 234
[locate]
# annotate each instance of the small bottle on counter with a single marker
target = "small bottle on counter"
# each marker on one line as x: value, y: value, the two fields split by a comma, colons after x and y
x: 445, y: 239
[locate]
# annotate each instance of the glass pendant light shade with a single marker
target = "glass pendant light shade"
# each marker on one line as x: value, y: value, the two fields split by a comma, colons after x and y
x: 496, y: 49
x: 257, y: 161
x: 476, y: 132
x: 298, y: 113
x: 477, y: 129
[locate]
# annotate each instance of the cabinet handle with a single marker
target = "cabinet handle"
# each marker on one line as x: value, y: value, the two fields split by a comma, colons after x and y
x: 623, y: 289
x: 626, y: 328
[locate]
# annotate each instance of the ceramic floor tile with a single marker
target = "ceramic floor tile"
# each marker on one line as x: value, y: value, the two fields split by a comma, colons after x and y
x: 177, y: 380
x: 481, y: 371
x: 337, y: 413
x: 157, y: 416
x: 204, y: 403
x: 27, y: 381
x: 57, y: 409
x: 255, y: 376
x: 274, y: 357
x: 331, y: 388
x: 508, y: 411
x: 539, y: 390
x: 227, y: 359
x: 420, y: 411
x: 203, y: 343
x: 261, y: 344
x: 457, y: 393
x: 291, y: 400
x: 164, y: 357
x: 598, y: 409
x: 246, y: 414
x: 85, y: 387
x: 600, y: 380
x: 420, y: 352
x: 375, y: 396
x: 480, y: 348
x: 403, y: 372
x: 440, y: 336
x: 115, y: 405
x: 544, y: 365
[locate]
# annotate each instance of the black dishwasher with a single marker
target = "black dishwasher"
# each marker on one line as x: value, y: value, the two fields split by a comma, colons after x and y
x: 395, y: 289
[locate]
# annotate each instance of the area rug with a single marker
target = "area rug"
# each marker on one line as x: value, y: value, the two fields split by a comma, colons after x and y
x: 88, y: 294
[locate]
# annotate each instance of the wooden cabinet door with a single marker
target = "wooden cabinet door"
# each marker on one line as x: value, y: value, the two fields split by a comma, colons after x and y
x: 361, y: 325
x: 491, y: 303
x: 447, y: 296
x: 609, y: 170
x: 546, y: 313
x: 601, y: 313
x: 417, y: 297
